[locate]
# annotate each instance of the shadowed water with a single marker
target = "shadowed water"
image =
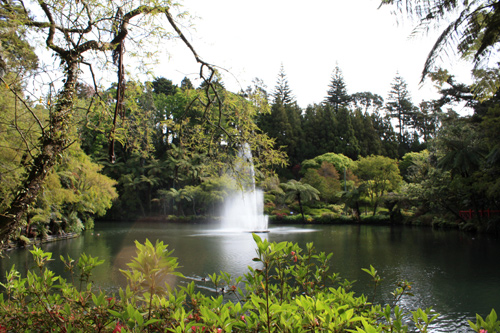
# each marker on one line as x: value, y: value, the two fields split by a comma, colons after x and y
x: 455, y: 273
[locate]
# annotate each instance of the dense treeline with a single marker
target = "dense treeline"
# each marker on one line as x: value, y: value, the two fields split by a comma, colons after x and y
x: 430, y: 165
x: 359, y: 124
x: 155, y: 148
x: 448, y: 163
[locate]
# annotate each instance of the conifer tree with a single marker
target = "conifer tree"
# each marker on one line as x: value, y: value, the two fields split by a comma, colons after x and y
x: 285, y: 120
x: 282, y: 91
x: 337, y: 95
x: 347, y: 142
x: 400, y: 106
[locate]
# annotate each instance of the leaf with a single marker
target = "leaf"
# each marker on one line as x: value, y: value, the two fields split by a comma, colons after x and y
x: 256, y: 238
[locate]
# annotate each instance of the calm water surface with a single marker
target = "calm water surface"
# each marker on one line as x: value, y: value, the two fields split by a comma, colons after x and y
x: 456, y: 274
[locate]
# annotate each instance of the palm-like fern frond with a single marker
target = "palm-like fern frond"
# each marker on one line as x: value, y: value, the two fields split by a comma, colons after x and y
x: 472, y: 28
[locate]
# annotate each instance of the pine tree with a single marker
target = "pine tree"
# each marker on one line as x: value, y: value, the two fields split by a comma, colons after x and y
x: 368, y: 139
x: 282, y: 91
x: 348, y: 143
x: 314, y: 131
x: 400, y: 107
x: 385, y: 132
x: 337, y: 94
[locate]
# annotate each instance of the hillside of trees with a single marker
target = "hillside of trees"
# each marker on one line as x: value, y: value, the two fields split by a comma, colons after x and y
x: 145, y: 149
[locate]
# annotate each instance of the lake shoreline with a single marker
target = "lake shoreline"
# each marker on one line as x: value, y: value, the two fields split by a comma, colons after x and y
x: 39, y: 241
x: 382, y: 220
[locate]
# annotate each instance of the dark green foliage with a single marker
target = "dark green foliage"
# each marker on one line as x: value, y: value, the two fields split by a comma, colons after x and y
x: 164, y: 86
x: 367, y: 102
x: 186, y: 84
x: 367, y: 137
x: 283, y: 123
x: 400, y: 107
x: 282, y: 92
x: 337, y: 95
x: 348, y: 143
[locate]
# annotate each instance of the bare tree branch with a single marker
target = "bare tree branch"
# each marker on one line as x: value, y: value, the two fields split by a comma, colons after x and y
x: 26, y: 105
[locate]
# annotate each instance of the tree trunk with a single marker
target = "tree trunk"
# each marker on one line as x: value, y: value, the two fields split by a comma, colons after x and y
x: 301, y: 210
x: 52, y: 143
x: 375, y: 206
x: 358, y: 211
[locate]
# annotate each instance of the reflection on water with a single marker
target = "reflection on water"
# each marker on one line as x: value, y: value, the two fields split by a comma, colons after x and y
x: 455, y: 273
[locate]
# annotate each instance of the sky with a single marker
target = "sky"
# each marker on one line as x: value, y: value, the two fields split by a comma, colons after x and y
x: 252, y: 39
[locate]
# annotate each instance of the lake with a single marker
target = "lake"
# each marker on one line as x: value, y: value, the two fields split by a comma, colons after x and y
x: 455, y: 273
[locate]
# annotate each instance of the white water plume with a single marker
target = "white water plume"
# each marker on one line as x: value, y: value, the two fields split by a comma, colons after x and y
x: 244, y: 208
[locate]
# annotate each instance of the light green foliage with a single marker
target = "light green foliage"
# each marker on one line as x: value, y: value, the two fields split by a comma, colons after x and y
x: 380, y: 175
x: 295, y: 190
x: 339, y: 161
x: 293, y: 290
x: 148, y: 279
x: 414, y: 166
x: 74, y: 191
x: 71, y: 31
x: 489, y: 324
x: 19, y: 134
x: 325, y: 180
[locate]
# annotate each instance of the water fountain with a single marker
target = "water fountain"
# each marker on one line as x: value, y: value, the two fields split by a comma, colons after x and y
x: 243, y: 209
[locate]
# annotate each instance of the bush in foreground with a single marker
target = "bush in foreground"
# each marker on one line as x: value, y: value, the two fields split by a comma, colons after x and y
x: 292, y: 291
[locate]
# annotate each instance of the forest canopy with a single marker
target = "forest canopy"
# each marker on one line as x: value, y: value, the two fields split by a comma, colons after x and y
x: 72, y: 150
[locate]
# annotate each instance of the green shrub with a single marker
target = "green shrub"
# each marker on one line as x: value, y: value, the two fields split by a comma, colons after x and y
x: 376, y: 219
x: 269, y: 198
x: 293, y: 290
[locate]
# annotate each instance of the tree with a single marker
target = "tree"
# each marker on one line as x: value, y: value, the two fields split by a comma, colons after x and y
x: 325, y: 180
x: 302, y: 192
x: 337, y: 95
x: 471, y: 27
x: 317, y: 126
x: 186, y: 84
x: 73, y: 30
x: 283, y: 123
x: 380, y: 175
x: 72, y: 194
x: 385, y: 131
x: 164, y: 86
x: 463, y: 150
x: 415, y: 166
x: 400, y: 107
x: 320, y: 129
x: 347, y: 142
x: 366, y: 135
x: 426, y: 120
x: 282, y: 91
x: 339, y: 161
x: 367, y: 102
